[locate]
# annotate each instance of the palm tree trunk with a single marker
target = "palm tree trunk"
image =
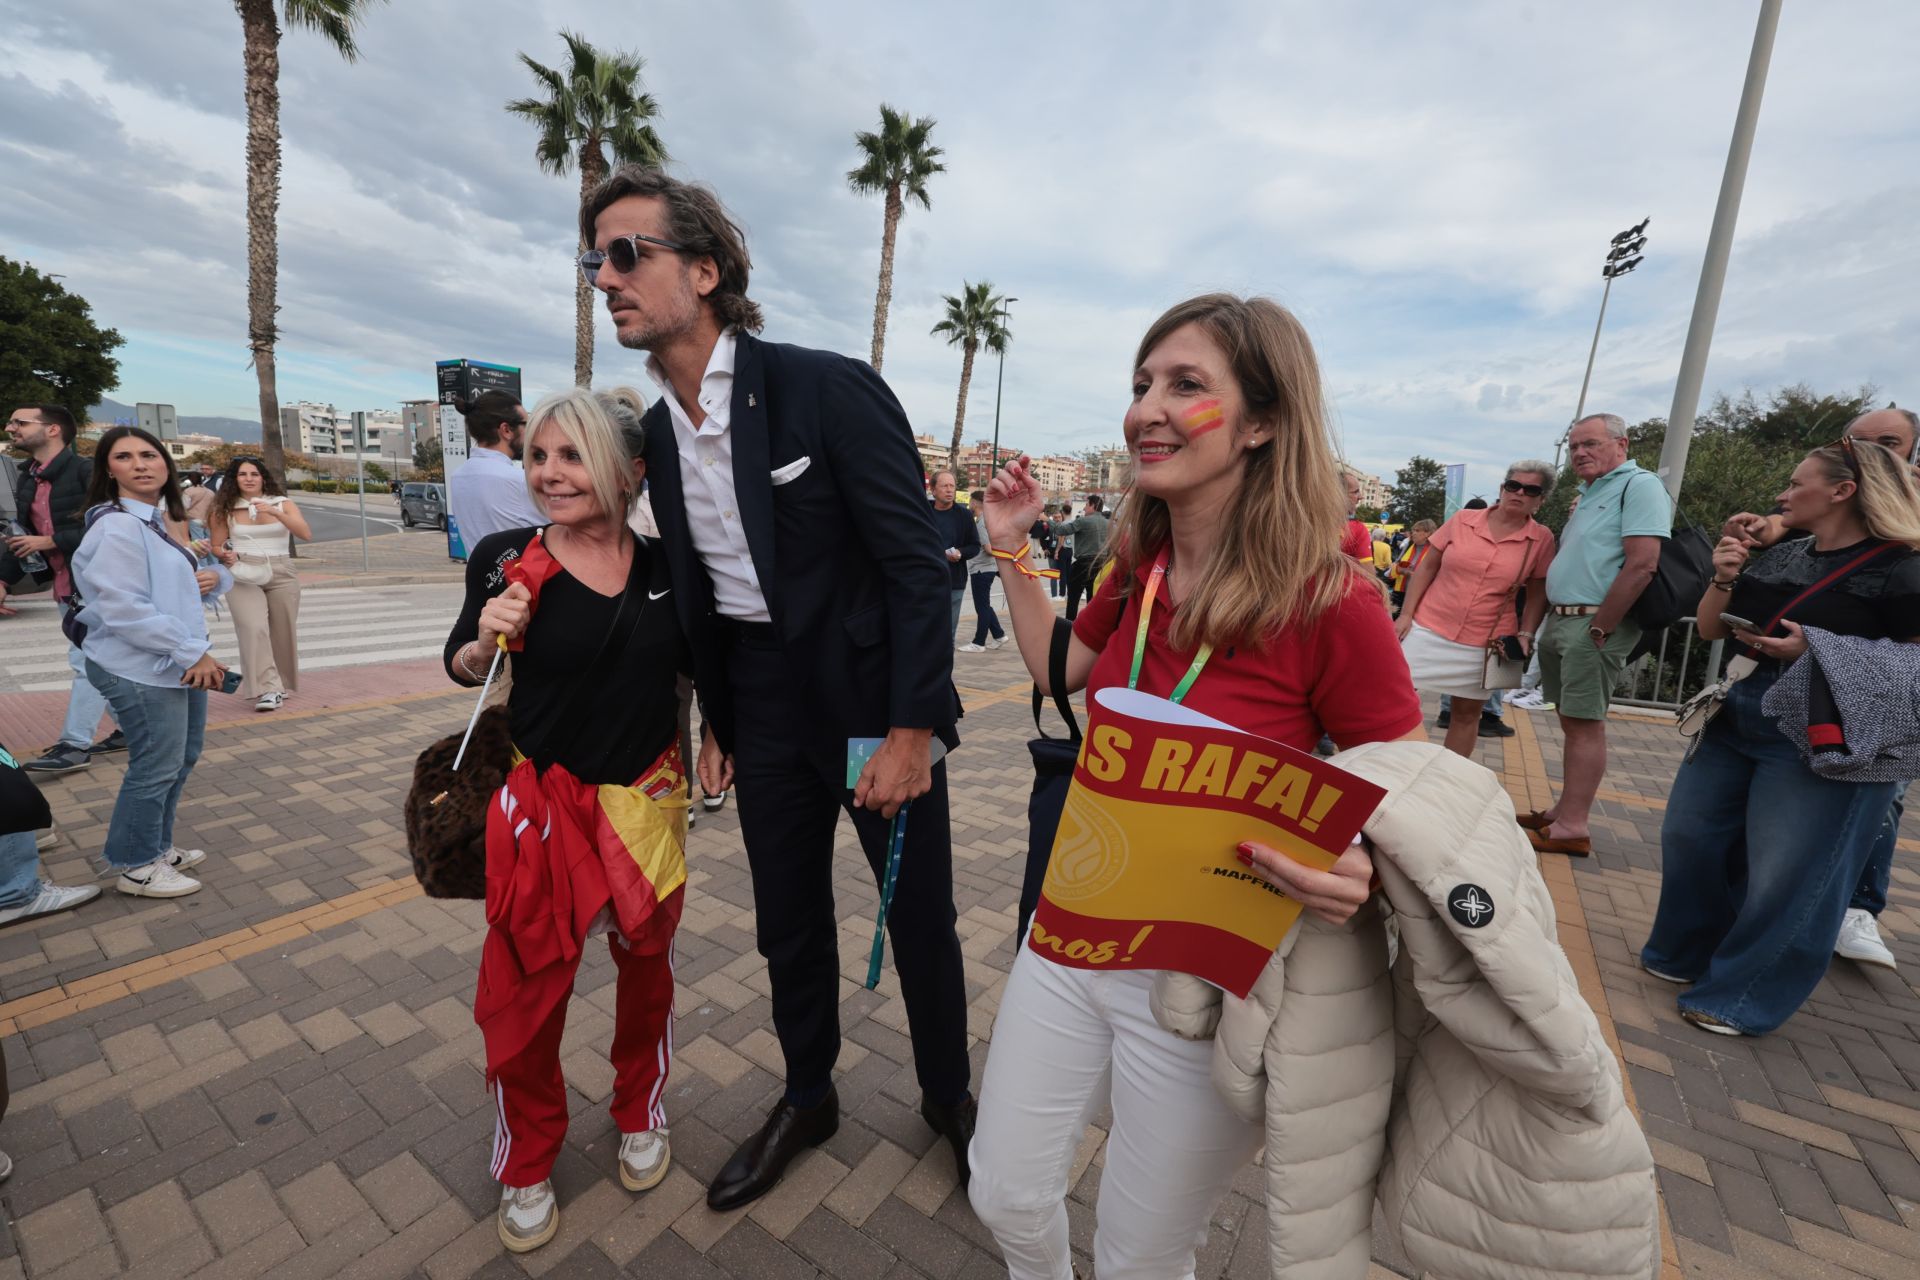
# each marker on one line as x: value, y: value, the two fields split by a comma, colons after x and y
x: 883, y: 297
x: 262, y: 60
x: 591, y: 172
x: 960, y: 410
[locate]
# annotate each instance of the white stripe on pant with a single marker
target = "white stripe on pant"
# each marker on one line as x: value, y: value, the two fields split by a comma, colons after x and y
x: 1173, y: 1152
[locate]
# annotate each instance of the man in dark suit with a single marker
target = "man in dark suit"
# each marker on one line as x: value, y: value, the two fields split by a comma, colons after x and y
x: 813, y: 587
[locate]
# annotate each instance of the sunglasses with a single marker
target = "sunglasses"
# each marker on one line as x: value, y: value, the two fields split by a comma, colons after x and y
x: 1531, y: 490
x: 623, y: 253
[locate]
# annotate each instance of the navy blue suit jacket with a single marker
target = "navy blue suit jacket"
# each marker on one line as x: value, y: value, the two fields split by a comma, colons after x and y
x: 853, y: 570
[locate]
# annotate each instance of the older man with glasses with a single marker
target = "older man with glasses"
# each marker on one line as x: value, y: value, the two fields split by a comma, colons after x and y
x: 1608, y: 553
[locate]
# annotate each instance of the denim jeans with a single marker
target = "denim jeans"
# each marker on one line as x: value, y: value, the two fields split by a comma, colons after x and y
x: 164, y: 728
x: 985, y: 619
x: 19, y: 869
x: 1760, y: 856
x: 1496, y: 706
x: 85, y: 705
x: 1871, y: 893
x: 959, y: 600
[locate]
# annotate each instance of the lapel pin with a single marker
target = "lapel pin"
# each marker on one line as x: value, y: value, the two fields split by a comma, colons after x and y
x: 750, y: 401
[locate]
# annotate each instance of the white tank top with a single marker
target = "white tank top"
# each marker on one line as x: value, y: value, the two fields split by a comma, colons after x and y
x: 260, y: 539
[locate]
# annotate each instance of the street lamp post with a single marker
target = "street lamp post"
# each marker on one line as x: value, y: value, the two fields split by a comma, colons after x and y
x: 1713, y: 271
x: 1624, y: 252
x: 1000, y: 384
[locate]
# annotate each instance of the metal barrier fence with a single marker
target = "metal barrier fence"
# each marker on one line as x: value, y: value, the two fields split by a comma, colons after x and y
x: 1654, y: 683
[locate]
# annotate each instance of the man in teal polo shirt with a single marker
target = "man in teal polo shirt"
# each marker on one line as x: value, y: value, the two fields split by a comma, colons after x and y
x: 1608, y: 553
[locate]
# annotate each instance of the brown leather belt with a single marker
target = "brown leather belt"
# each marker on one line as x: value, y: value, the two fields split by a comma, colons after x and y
x: 1573, y: 610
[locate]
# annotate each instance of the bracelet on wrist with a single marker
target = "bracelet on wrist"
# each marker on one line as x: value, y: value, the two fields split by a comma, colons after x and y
x: 1018, y: 559
x: 1723, y: 586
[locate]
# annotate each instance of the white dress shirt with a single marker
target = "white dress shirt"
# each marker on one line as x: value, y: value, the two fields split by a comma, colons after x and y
x: 489, y: 493
x: 706, y: 486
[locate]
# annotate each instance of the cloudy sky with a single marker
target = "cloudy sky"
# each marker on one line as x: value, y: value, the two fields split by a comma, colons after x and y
x: 1430, y: 186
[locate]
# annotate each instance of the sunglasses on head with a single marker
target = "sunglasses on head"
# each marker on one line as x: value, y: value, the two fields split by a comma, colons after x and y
x: 1531, y: 490
x: 623, y: 252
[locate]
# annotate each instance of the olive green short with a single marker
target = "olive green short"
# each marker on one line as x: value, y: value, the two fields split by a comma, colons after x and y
x: 1575, y: 675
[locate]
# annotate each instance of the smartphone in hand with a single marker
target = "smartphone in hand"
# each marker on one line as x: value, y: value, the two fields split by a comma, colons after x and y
x: 231, y: 682
x: 1739, y: 623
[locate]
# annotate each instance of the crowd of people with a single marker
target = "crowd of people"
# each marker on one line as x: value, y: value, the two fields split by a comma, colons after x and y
x: 761, y: 541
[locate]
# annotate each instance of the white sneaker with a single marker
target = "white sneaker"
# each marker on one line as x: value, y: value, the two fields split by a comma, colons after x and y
x: 180, y: 859
x: 51, y: 898
x: 712, y: 804
x: 46, y: 839
x: 157, y: 879
x: 1860, y: 939
x: 6, y: 1166
x: 973, y: 648
x: 644, y: 1158
x: 1527, y: 699
x: 269, y: 701
x: 529, y: 1216
x: 996, y: 642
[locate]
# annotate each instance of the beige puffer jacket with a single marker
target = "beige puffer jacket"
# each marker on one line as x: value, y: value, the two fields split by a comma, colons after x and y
x: 1470, y: 1091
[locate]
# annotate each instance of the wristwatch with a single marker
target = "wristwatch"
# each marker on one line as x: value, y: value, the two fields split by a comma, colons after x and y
x: 1596, y: 631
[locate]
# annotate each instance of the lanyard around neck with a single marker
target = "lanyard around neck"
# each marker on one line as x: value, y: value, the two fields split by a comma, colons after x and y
x: 1140, y: 634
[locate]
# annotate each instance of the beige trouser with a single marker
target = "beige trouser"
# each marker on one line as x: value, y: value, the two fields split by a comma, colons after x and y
x: 266, y: 620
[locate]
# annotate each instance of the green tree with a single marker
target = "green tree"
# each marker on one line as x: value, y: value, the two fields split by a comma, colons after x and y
x: 1419, y: 491
x: 51, y: 351
x: 896, y: 161
x: 595, y: 106
x: 427, y: 455
x: 260, y: 24
x: 973, y: 320
x: 222, y: 455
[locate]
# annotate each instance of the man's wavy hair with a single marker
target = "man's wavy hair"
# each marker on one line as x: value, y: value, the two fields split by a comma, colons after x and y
x: 699, y: 223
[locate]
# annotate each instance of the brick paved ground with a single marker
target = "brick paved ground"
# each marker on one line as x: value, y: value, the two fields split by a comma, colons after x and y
x: 280, y: 1076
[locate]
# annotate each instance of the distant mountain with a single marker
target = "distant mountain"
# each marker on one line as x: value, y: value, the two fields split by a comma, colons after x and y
x: 235, y: 430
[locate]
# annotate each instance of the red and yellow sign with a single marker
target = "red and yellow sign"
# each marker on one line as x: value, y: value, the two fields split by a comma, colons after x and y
x: 1143, y: 872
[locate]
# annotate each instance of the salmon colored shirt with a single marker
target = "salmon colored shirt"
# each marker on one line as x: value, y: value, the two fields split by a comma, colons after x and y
x: 1470, y: 600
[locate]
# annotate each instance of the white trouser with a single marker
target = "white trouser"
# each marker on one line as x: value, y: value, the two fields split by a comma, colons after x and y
x: 1173, y: 1151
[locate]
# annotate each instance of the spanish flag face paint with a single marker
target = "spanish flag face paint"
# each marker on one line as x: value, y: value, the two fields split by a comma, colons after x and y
x: 1202, y: 418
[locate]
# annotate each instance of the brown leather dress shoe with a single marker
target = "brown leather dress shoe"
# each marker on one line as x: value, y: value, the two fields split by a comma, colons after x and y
x: 1534, y: 820
x: 759, y: 1164
x: 1544, y: 843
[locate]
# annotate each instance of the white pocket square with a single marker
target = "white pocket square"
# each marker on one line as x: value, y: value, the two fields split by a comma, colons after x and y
x: 792, y: 471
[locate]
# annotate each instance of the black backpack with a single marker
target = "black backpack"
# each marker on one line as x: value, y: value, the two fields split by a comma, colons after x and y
x: 1686, y: 566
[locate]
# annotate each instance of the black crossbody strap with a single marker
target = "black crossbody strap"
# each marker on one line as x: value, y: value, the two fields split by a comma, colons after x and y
x: 1057, y: 679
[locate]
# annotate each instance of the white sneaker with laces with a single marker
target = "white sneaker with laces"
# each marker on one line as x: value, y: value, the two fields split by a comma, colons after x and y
x: 996, y: 642
x: 1527, y: 699
x: 529, y: 1216
x: 644, y: 1158
x: 1860, y: 940
x: 713, y: 803
x: 51, y: 898
x: 46, y: 839
x: 973, y: 648
x: 181, y: 859
x: 157, y: 879
x: 269, y: 701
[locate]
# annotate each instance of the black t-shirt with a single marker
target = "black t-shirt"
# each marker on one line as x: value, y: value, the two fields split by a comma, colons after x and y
x: 956, y: 528
x: 606, y: 720
x: 1879, y: 601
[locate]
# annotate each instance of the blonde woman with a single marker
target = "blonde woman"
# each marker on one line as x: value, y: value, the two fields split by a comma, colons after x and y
x: 588, y: 834
x: 1227, y: 561
x: 253, y: 525
x: 1760, y: 854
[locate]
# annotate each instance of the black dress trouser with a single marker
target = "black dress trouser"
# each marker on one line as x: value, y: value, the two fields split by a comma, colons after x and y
x: 790, y: 796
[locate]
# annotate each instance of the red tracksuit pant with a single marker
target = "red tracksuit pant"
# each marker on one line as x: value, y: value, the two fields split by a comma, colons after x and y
x: 530, y: 1094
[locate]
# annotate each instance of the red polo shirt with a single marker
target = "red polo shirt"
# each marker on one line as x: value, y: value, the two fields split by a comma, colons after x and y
x: 1342, y: 674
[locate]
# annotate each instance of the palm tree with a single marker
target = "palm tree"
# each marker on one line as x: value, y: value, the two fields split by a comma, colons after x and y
x: 974, y: 319
x: 898, y: 162
x: 595, y: 106
x: 260, y: 21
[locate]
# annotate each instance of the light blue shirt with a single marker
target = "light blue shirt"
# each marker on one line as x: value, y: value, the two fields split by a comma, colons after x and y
x: 489, y: 493
x: 1627, y: 502
x: 143, y: 613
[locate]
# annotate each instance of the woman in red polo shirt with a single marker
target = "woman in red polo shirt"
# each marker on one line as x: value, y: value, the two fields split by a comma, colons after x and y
x: 1229, y: 594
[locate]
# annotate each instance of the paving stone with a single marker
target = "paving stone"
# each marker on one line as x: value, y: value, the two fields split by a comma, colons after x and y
x: 320, y: 1201
x: 61, y: 1232
x: 401, y: 1191
x: 239, y: 1210
x: 327, y: 1029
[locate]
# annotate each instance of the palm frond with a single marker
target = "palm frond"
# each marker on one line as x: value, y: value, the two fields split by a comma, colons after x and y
x: 897, y: 156
x: 334, y: 19
x: 974, y: 317
x: 592, y: 105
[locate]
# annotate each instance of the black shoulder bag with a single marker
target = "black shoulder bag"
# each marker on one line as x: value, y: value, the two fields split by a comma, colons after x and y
x: 446, y: 811
x: 1053, y: 761
x: 1686, y: 563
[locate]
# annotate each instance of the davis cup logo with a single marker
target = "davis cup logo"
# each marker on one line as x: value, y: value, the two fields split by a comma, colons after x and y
x: 1089, y: 852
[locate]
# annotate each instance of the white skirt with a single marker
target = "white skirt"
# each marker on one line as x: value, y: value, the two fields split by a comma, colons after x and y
x: 1441, y: 666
